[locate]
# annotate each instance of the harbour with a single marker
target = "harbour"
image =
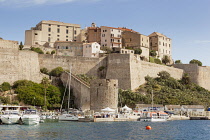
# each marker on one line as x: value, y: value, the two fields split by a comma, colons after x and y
x: 181, y: 129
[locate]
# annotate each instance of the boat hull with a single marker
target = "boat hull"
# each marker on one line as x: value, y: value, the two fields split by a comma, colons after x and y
x: 10, y: 119
x: 67, y: 117
x: 30, y: 119
x: 149, y: 119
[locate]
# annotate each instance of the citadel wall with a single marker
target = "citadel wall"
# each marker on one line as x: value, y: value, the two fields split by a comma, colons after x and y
x: 131, y: 71
x: 198, y: 74
x: 80, y: 65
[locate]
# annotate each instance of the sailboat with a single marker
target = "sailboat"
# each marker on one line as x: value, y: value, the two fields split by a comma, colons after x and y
x: 154, y: 116
x: 66, y: 116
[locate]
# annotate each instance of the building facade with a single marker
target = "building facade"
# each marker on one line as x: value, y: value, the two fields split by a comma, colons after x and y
x: 161, y: 44
x: 91, y: 49
x: 135, y: 40
x: 68, y: 48
x: 51, y: 31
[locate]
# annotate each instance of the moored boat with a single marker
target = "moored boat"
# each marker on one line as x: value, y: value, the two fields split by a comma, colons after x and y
x: 154, y: 116
x: 10, y: 117
x: 30, y: 116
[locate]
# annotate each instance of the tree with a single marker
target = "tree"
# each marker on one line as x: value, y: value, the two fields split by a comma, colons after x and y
x: 185, y: 79
x: 164, y: 75
x: 153, y: 53
x: 56, y: 71
x: 5, y: 86
x: 45, y: 82
x: 53, y: 52
x: 194, y: 61
x: 44, y: 70
x: 38, y: 50
x: 178, y: 62
x: 47, y: 52
x: 21, y: 46
x: 166, y: 59
x: 138, y: 51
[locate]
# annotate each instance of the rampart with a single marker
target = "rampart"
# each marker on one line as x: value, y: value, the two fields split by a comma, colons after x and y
x: 80, y: 65
x: 131, y: 71
x: 198, y: 74
x: 19, y: 65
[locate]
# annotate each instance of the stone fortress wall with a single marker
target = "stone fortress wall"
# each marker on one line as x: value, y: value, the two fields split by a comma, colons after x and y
x: 131, y: 71
x: 198, y: 74
x: 18, y: 65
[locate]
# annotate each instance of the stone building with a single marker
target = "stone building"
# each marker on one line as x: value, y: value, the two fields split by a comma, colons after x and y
x: 91, y: 49
x: 103, y: 93
x: 51, y: 31
x: 161, y: 44
x: 94, y: 34
x: 136, y: 40
x: 68, y: 48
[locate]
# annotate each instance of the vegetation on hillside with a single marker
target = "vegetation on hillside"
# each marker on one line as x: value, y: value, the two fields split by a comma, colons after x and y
x: 166, y: 90
x: 194, y: 61
x: 86, y: 78
x: 38, y: 50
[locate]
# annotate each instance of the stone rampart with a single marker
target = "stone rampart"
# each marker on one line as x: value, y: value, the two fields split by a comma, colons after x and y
x: 131, y: 71
x: 80, y: 65
x: 81, y: 91
x: 19, y: 65
x: 198, y: 74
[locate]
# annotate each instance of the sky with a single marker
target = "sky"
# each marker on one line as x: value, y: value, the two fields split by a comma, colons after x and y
x: 186, y: 22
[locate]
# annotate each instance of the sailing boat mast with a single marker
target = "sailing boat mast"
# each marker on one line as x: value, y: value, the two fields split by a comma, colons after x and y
x: 69, y: 89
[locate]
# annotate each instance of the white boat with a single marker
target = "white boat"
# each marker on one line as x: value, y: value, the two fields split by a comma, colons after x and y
x: 10, y: 117
x: 30, y: 116
x: 67, y: 116
x: 154, y: 116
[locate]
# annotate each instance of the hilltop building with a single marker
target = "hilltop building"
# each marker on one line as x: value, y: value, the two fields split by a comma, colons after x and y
x: 68, y: 48
x: 134, y: 40
x: 47, y: 32
x: 91, y: 49
x: 161, y: 44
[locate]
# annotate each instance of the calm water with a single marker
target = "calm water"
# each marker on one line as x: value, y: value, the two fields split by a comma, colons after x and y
x: 171, y: 130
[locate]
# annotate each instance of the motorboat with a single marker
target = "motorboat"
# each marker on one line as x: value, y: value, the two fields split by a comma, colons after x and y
x: 30, y: 116
x: 67, y: 117
x: 154, y: 116
x: 11, y: 117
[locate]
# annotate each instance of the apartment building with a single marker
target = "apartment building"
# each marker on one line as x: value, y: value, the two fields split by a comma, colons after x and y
x: 135, y: 40
x: 161, y: 44
x: 111, y: 37
x: 68, y: 48
x: 47, y: 32
x: 91, y: 49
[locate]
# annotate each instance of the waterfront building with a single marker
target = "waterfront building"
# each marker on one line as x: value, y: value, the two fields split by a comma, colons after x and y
x: 68, y: 48
x: 47, y: 32
x: 161, y: 44
x: 91, y: 49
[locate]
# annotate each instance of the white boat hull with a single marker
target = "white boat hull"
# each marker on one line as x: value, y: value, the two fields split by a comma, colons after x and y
x: 67, y: 117
x: 10, y: 119
x: 30, y: 119
x: 153, y: 119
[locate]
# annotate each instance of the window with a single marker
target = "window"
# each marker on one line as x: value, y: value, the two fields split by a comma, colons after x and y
x: 48, y: 39
x: 159, y: 43
x: 58, y: 47
x: 142, y: 39
x: 75, y: 32
x: 67, y: 31
x: 66, y: 47
x: 67, y: 40
x: 169, y: 45
x: 163, y: 43
x: 57, y: 39
x: 130, y: 39
x: 67, y: 26
x: 58, y: 35
x: 49, y: 29
x: 118, y: 40
x: 58, y: 25
x: 49, y: 34
x: 49, y: 24
x: 58, y: 30
x: 36, y: 34
x: 96, y: 46
x: 67, y: 36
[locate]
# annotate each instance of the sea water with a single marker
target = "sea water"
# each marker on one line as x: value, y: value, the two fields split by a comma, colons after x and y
x: 170, y: 130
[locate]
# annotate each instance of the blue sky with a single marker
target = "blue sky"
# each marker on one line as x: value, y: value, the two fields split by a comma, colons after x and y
x: 186, y: 22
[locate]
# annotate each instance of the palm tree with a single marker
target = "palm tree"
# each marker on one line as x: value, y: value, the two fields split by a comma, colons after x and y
x: 45, y: 82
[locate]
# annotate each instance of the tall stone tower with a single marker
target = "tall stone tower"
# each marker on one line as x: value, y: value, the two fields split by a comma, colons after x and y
x: 103, y: 93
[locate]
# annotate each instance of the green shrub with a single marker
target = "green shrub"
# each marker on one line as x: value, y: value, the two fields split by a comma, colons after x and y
x: 56, y: 71
x: 5, y: 86
x: 157, y: 61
